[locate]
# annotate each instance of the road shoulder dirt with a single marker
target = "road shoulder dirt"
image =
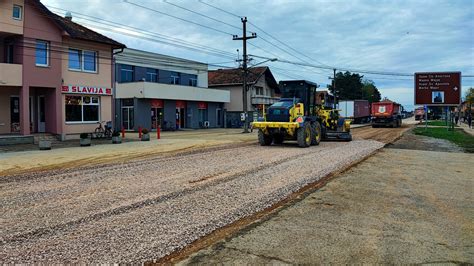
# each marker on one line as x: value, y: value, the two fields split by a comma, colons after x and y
x: 418, y: 210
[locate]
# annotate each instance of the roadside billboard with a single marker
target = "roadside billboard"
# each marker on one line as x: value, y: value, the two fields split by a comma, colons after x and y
x: 438, y: 88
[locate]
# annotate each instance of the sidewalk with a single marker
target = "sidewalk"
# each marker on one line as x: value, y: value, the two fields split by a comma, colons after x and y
x: 74, y: 156
x: 466, y: 129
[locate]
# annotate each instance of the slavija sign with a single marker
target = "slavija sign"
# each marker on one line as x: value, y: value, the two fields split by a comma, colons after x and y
x: 438, y: 88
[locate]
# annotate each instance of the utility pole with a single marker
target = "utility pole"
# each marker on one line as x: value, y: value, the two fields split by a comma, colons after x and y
x: 334, y: 87
x: 244, y: 39
x: 335, y: 92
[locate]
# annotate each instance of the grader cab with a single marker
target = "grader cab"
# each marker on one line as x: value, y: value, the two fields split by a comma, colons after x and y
x: 298, y: 116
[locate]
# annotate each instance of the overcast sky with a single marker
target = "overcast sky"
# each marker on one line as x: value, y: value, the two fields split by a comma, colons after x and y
x: 391, y: 36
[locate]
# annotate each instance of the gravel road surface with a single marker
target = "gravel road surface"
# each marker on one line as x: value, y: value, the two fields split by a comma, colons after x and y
x: 143, y: 210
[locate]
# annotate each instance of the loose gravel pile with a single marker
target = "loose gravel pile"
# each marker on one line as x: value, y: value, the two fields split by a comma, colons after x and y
x: 144, y: 210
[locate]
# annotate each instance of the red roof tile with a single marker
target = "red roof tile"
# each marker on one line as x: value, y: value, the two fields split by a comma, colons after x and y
x: 75, y: 30
x: 234, y: 77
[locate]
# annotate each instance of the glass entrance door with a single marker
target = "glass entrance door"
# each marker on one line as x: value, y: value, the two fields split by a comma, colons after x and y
x: 180, y: 118
x: 127, y: 118
x: 41, y: 115
x: 15, y: 114
x: 156, y: 117
x: 218, y: 117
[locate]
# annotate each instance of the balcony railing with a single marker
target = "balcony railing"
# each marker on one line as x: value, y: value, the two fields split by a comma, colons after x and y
x: 267, y: 100
x: 11, y: 74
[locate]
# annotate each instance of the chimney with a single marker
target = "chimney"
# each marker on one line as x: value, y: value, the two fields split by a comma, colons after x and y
x: 68, y: 16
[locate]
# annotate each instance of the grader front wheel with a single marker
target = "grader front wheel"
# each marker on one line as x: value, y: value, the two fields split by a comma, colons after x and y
x: 303, y: 135
x: 264, y: 140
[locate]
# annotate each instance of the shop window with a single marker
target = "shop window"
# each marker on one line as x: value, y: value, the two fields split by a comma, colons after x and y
x: 81, y: 60
x: 42, y: 53
x: 17, y: 12
x: 151, y: 75
x: 82, y: 108
x: 126, y: 73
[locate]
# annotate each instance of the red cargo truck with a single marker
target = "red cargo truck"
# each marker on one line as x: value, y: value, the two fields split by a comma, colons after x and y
x: 386, y: 113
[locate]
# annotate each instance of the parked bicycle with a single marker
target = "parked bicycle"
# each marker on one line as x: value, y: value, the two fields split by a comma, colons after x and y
x: 103, y: 131
x: 169, y: 126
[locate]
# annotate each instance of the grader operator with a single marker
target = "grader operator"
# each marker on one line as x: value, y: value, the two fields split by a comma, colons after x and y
x: 298, y: 117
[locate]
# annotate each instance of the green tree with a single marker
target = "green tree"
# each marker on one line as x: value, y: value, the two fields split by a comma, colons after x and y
x: 370, y: 92
x: 348, y: 86
x: 470, y: 95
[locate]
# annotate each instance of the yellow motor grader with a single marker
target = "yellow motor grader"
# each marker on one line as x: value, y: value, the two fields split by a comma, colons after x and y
x: 298, y: 117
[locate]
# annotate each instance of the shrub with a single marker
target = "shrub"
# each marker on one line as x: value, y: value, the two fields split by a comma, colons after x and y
x: 84, y: 135
x: 144, y: 131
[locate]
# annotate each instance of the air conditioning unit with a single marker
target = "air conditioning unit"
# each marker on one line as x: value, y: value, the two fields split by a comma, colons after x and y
x: 206, y: 124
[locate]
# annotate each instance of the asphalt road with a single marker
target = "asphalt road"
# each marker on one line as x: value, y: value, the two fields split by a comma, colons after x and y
x: 399, y: 206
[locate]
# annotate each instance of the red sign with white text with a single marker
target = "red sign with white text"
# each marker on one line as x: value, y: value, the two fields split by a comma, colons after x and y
x: 180, y: 104
x: 156, y: 103
x: 202, y: 105
x: 438, y: 88
x: 86, y: 90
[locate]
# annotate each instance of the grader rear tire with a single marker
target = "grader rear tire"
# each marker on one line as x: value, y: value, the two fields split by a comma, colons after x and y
x: 264, y: 140
x: 316, y: 133
x: 303, y: 135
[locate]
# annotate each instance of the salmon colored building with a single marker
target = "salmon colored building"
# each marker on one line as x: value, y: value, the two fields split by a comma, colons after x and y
x: 55, y: 75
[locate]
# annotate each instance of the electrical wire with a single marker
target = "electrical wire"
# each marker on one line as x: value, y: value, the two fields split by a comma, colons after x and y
x: 286, y: 45
x: 301, y: 64
x: 176, y: 17
x: 220, y: 9
x: 339, y: 68
x: 122, y: 58
x: 168, y: 40
x: 135, y: 29
x: 201, y: 14
x: 263, y: 39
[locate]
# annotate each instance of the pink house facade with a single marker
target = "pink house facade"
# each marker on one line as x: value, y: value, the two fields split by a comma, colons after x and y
x: 55, y: 75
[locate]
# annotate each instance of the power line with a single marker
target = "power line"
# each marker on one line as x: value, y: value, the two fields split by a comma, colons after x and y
x: 176, y: 17
x: 168, y: 40
x: 201, y: 14
x: 128, y: 58
x: 141, y: 31
x: 273, y: 37
x: 220, y: 9
x: 235, y: 15
x: 282, y: 60
x: 268, y: 52
x: 263, y: 39
x: 340, y: 68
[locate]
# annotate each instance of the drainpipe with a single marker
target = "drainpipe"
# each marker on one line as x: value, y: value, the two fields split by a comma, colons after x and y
x: 114, y: 88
